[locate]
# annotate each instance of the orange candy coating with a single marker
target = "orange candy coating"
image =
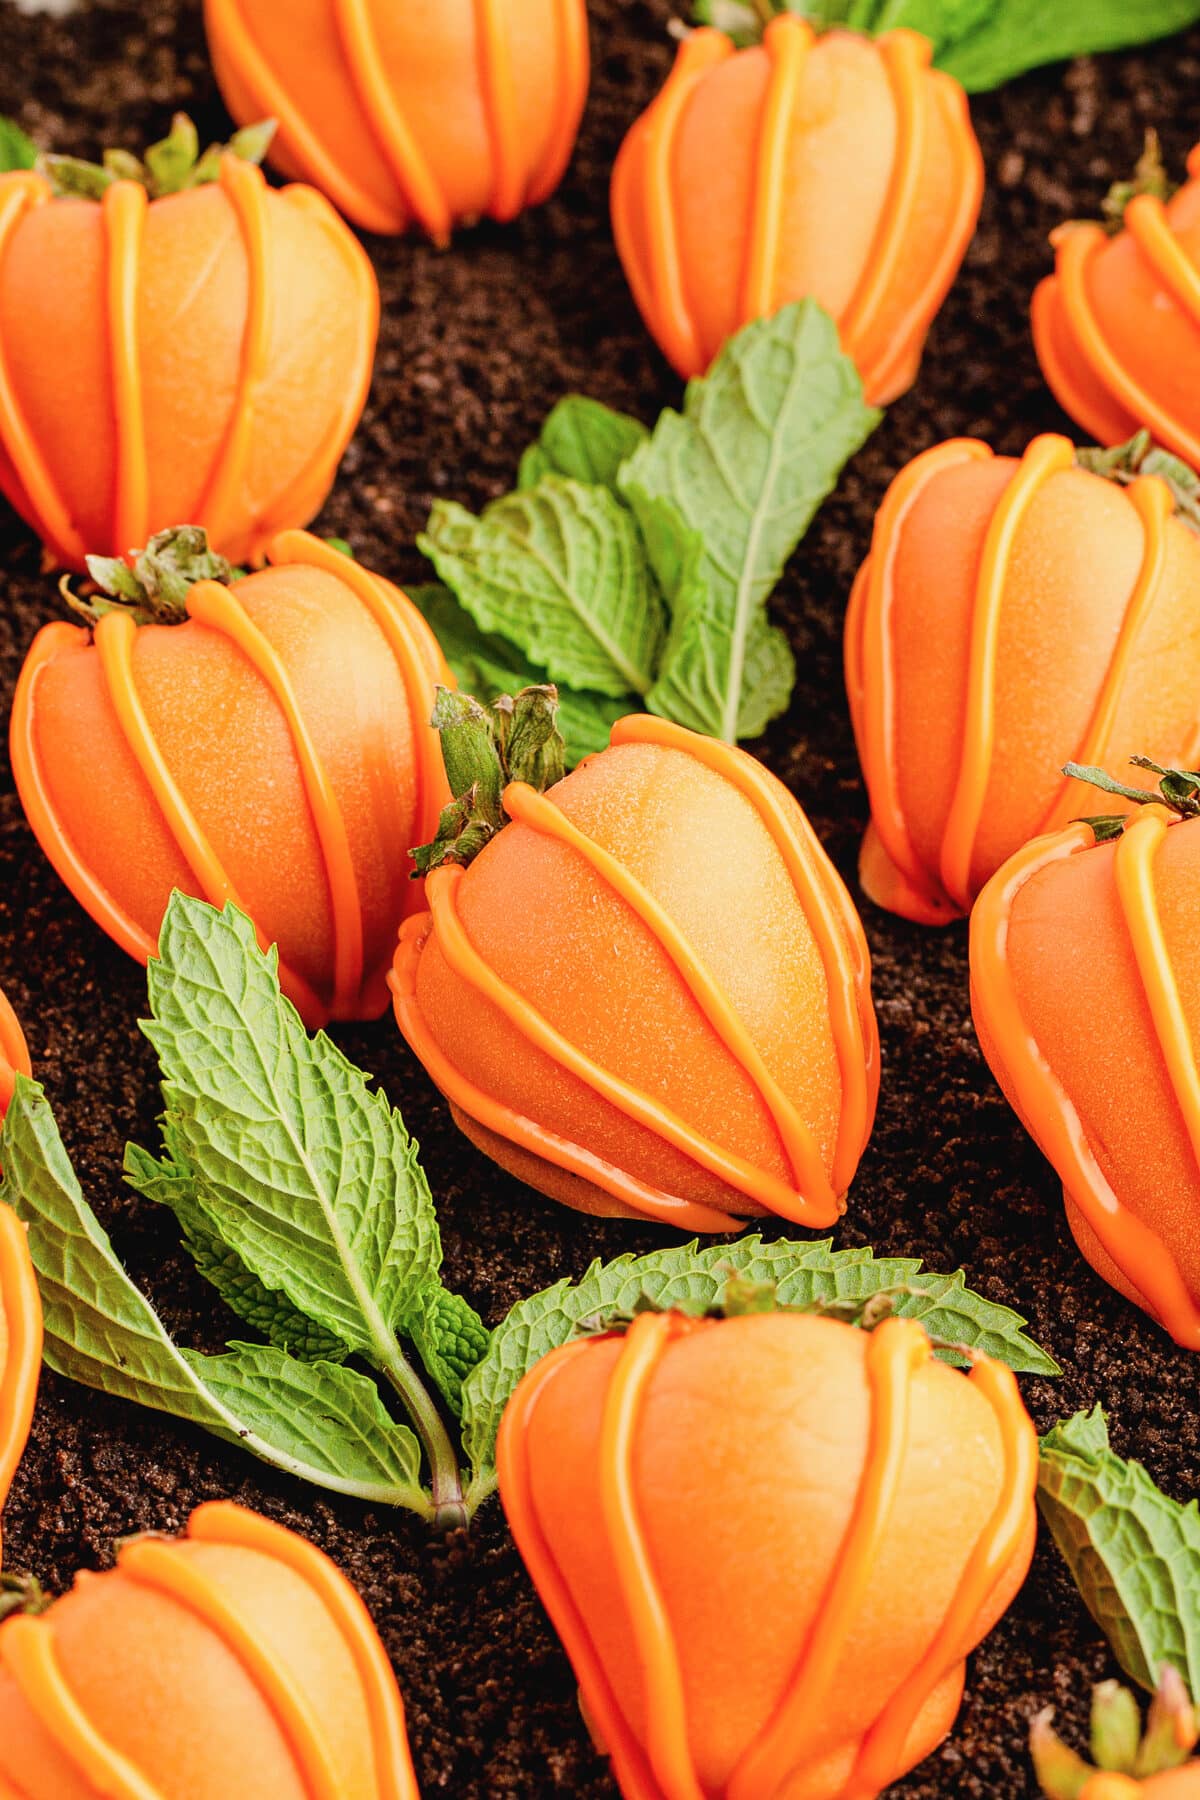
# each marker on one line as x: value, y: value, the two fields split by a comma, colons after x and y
x: 768, y: 1544
x: 837, y: 167
x: 273, y: 749
x: 1069, y: 934
x: 20, y: 1304
x: 649, y: 995
x: 1172, y: 1784
x: 426, y: 114
x: 202, y: 357
x: 231, y: 1663
x: 1117, y: 326
x: 1011, y: 617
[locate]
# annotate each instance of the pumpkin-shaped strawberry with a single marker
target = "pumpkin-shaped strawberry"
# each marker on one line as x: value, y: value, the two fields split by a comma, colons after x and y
x: 1012, y: 615
x: 1117, y: 326
x: 1128, y: 1765
x: 232, y: 1663
x: 410, y: 115
x: 203, y: 354
x: 840, y: 168
x: 768, y: 1544
x: 648, y: 994
x: 1085, y: 970
x: 263, y: 740
x: 20, y: 1344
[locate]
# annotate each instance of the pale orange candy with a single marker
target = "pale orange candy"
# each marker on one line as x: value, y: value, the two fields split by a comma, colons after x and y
x: 426, y: 114
x: 204, y: 358
x: 273, y: 749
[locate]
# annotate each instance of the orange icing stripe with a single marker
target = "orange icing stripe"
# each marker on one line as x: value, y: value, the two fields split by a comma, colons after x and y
x: 245, y: 190
x: 420, y: 670
x: 219, y: 608
x: 1133, y: 872
x: 895, y: 1351
x: 113, y: 638
x: 123, y: 211
x: 882, y: 1752
x: 870, y: 671
x: 652, y: 1203
x: 834, y: 923
x: 906, y: 57
x: 571, y: 96
x: 1147, y: 223
x: 500, y: 109
x: 787, y: 41
x: 271, y: 100
x: 27, y: 1651
x: 1044, y: 457
x: 1076, y: 248
x: 1045, y: 1105
x: 221, y: 1522
x: 441, y: 891
x: 20, y: 194
x: 1151, y: 500
x: 385, y: 116
x: 660, y: 289
x: 161, y: 1568
x: 814, y: 1202
x: 21, y: 1359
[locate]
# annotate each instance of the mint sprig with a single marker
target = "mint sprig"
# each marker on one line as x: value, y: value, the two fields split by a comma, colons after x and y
x: 17, y: 151
x: 1134, y: 1553
x: 584, y: 440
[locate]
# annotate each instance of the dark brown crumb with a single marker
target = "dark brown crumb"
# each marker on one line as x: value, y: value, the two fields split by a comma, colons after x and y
x: 476, y: 345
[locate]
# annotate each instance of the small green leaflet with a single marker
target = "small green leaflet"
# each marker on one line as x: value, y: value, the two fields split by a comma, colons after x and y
x: 760, y: 443
x: 693, y: 1279
x: 561, y: 571
x: 318, y: 1421
x: 451, y: 1339
x: 488, y: 666
x: 16, y: 150
x: 1134, y: 1553
x: 584, y: 440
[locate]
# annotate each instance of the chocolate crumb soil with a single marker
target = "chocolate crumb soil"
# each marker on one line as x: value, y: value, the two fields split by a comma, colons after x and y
x: 477, y: 342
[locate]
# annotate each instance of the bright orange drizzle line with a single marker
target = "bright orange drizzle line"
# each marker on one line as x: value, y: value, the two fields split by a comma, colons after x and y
x: 895, y: 1351
x: 28, y: 1653
x: 571, y: 95
x: 870, y: 664
x: 500, y: 109
x: 161, y: 1568
x: 1044, y: 457
x: 1046, y: 1106
x: 787, y: 41
x: 1076, y: 249
x: 219, y: 608
x: 882, y: 1753
x: 123, y: 211
x: 245, y: 190
x: 659, y: 287
x: 385, y: 116
x: 813, y: 1202
x: 20, y: 194
x: 221, y: 1522
x: 835, y: 925
x: 1151, y: 500
x: 21, y: 1358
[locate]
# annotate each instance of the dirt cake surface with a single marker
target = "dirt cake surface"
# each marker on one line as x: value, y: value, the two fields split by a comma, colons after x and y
x: 477, y: 343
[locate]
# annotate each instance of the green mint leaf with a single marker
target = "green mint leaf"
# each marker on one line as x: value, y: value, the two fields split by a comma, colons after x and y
x: 760, y: 443
x: 319, y: 1422
x: 488, y: 666
x: 693, y: 1280
x: 302, y: 1171
x: 1007, y: 38
x: 451, y: 1339
x: 560, y: 571
x: 168, y: 1184
x: 1134, y: 1553
x: 583, y: 440
x: 16, y: 150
